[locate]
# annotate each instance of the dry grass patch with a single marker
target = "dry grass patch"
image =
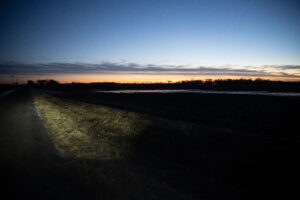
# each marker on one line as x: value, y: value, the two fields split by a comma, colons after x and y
x: 90, y: 131
x: 105, y: 145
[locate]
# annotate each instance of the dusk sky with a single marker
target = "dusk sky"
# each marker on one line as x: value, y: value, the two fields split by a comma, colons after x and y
x: 142, y: 41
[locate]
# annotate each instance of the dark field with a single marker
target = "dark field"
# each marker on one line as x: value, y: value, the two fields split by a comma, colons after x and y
x: 249, y: 114
x: 149, y: 145
x: 216, y: 146
x: 6, y: 87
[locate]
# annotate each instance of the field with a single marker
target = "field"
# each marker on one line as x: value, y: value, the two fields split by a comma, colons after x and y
x: 4, y: 88
x: 252, y: 114
x: 172, y: 146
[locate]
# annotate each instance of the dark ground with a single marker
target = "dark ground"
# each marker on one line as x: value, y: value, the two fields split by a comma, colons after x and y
x: 253, y: 154
x: 31, y: 168
x: 253, y: 114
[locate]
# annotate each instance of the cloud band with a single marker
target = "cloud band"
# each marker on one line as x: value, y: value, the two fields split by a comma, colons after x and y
x: 289, y: 71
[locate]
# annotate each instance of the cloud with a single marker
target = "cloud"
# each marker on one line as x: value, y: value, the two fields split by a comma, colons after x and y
x: 284, y: 67
x: 13, y: 68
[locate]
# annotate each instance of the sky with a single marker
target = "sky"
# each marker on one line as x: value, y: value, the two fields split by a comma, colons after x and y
x: 144, y: 41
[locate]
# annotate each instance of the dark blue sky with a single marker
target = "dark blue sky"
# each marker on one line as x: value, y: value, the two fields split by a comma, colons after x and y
x: 177, y: 32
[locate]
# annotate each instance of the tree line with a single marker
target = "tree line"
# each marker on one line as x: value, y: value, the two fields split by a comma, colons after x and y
x: 220, y: 84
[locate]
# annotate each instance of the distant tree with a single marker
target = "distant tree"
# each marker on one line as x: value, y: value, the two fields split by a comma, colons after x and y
x: 30, y: 82
x: 41, y: 83
x: 52, y: 83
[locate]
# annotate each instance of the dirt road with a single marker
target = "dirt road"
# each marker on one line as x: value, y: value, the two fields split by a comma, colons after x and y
x: 31, y: 167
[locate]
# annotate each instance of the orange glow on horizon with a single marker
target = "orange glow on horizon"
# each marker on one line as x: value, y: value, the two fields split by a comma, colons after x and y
x: 136, y: 78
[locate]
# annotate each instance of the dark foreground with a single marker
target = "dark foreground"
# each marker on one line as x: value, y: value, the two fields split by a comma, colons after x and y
x: 245, y: 148
x: 31, y: 167
x: 251, y: 114
x: 222, y: 147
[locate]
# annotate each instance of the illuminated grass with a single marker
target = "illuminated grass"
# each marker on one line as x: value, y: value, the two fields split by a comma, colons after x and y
x: 96, y: 140
x: 126, y: 155
x: 89, y: 131
x: 104, y: 144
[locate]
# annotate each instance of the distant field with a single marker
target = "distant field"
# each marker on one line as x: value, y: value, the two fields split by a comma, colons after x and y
x: 260, y: 115
x: 126, y: 154
x: 6, y: 88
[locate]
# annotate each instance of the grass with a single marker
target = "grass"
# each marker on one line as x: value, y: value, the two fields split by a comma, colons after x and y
x: 101, y: 142
x: 128, y: 155
x: 88, y: 131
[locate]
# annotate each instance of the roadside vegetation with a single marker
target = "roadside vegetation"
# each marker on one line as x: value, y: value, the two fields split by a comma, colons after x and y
x: 89, y: 131
x: 123, y: 154
x: 101, y: 142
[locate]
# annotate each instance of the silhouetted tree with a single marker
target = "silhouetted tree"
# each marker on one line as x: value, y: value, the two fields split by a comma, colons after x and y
x: 30, y: 82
